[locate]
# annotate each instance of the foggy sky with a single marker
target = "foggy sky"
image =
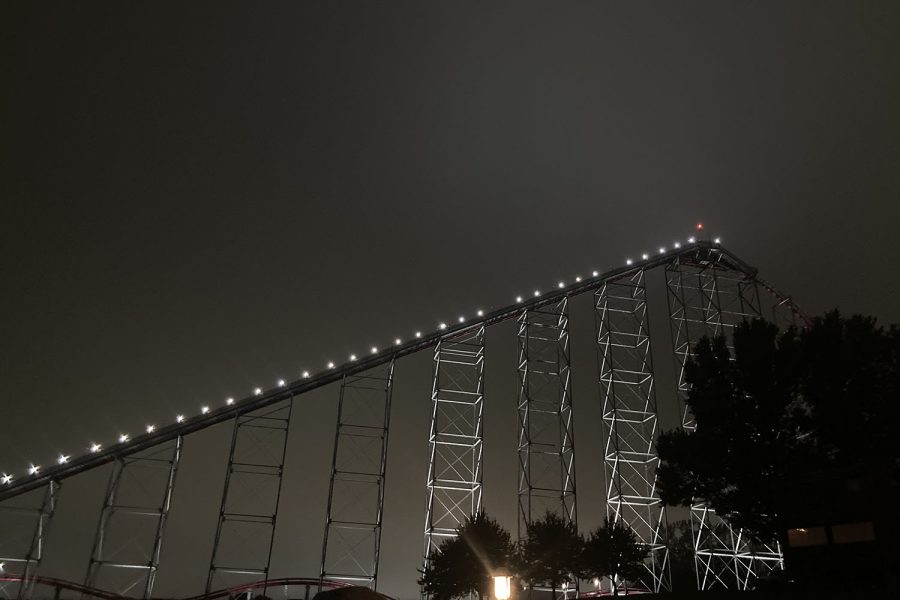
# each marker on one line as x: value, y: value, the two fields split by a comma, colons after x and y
x: 199, y: 198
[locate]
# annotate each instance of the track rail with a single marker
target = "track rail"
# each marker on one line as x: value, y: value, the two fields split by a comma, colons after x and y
x: 91, y: 592
x: 699, y: 252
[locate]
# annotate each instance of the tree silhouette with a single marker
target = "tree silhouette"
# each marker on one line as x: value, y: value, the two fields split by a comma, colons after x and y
x: 464, y: 564
x: 781, y: 406
x: 613, y: 551
x: 681, y: 557
x: 550, y: 552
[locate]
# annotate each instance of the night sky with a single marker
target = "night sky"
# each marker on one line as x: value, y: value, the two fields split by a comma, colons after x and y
x: 199, y: 198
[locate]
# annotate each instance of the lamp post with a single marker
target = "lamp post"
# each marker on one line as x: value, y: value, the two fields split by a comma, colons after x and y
x: 502, y: 585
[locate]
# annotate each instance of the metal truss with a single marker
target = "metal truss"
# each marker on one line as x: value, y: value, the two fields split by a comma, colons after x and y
x: 546, y: 437
x: 453, y: 487
x: 352, y: 542
x: 708, y: 295
x: 128, y: 542
x: 630, y: 423
x: 242, y: 550
x: 25, y: 524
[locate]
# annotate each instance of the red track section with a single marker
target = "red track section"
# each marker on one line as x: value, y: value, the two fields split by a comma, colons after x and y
x: 62, y: 584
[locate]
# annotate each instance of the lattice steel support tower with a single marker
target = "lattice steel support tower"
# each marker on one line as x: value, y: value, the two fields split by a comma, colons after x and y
x: 128, y: 542
x: 708, y: 294
x: 25, y: 523
x: 242, y: 550
x: 453, y: 487
x: 546, y: 437
x: 630, y: 422
x: 352, y: 542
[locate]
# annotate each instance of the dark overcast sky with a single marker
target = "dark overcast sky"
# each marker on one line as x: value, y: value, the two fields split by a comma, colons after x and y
x: 198, y: 198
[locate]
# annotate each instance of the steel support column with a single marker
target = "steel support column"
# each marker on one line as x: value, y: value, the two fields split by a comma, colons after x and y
x: 352, y: 542
x: 453, y: 486
x: 25, y: 523
x: 128, y: 541
x: 707, y: 297
x: 630, y: 423
x: 546, y: 437
x: 242, y: 549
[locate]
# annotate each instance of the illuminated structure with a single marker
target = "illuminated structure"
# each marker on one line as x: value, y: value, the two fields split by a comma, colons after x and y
x: 709, y: 291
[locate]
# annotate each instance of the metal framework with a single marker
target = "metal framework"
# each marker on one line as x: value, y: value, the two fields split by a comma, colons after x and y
x: 546, y: 437
x: 453, y: 487
x: 708, y: 294
x: 128, y: 542
x: 25, y: 523
x: 352, y: 541
x: 630, y: 423
x: 709, y: 290
x: 242, y: 550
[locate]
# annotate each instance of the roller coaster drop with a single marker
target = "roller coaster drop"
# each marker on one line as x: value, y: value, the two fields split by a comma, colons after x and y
x: 709, y: 291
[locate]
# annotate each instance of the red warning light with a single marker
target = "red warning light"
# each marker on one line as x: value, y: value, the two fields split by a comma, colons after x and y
x: 699, y: 225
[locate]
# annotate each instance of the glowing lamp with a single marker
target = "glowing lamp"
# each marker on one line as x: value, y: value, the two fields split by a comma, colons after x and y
x: 502, y: 586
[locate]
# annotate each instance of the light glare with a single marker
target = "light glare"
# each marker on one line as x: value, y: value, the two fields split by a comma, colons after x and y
x: 281, y: 383
x: 123, y: 438
x: 151, y: 428
x: 179, y: 419
x: 34, y: 469
x: 204, y: 409
x: 95, y: 448
x: 229, y: 401
x: 63, y: 459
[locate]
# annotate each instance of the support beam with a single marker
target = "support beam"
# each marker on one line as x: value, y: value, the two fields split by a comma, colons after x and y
x: 453, y: 487
x: 128, y: 542
x: 707, y: 297
x: 352, y: 542
x: 630, y: 424
x: 25, y: 522
x: 546, y: 437
x: 242, y: 549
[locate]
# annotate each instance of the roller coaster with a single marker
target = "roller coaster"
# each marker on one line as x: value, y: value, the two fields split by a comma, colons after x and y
x: 709, y: 290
